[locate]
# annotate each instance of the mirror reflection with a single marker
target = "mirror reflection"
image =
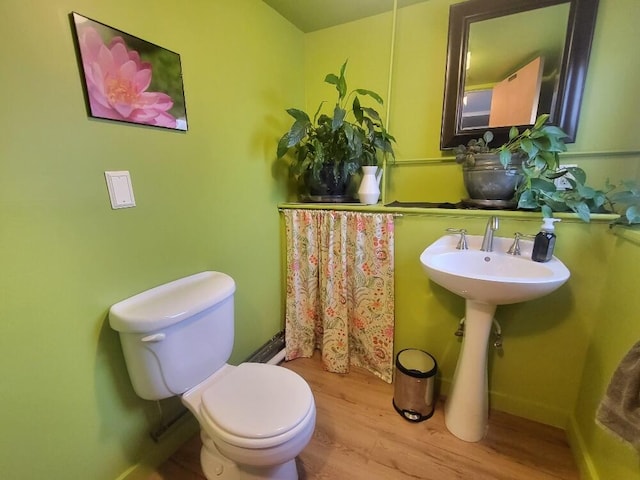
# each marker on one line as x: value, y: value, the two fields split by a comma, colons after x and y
x: 552, y: 68
x: 512, y: 67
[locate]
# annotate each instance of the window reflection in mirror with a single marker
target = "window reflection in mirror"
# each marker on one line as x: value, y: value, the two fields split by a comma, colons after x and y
x: 513, y: 67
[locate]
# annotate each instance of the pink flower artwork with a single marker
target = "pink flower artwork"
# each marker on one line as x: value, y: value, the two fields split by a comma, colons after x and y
x: 118, y: 81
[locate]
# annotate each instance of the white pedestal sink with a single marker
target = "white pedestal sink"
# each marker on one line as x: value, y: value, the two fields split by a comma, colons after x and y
x: 485, y: 280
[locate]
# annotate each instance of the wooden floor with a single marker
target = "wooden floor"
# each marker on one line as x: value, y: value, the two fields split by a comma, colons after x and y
x: 359, y: 436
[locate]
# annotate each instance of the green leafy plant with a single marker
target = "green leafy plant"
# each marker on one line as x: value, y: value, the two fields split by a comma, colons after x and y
x: 351, y: 137
x: 540, y: 146
x: 625, y: 199
x: 540, y: 192
x: 466, y: 154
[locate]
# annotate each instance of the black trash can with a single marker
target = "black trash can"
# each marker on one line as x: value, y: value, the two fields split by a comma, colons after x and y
x: 414, y: 384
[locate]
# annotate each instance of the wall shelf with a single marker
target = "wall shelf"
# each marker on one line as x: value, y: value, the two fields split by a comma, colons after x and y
x: 451, y: 212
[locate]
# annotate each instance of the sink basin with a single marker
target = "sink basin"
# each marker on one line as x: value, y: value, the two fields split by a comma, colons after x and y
x: 485, y: 280
x: 494, y: 277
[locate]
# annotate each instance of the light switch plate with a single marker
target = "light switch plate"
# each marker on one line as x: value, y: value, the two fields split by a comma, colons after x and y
x: 120, y: 189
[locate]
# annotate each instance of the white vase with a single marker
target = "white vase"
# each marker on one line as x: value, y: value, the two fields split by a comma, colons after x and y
x: 369, y: 191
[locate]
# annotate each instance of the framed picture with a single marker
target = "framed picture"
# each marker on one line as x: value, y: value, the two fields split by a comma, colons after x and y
x: 128, y: 79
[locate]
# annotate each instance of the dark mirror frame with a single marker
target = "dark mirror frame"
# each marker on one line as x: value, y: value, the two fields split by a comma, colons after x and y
x: 573, y: 71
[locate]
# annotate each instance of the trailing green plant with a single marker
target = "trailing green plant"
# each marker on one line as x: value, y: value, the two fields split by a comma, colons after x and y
x: 625, y: 199
x: 352, y: 136
x: 540, y: 146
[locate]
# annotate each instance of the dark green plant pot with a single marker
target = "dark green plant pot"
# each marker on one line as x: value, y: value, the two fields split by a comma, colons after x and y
x: 330, y: 186
x: 489, y: 180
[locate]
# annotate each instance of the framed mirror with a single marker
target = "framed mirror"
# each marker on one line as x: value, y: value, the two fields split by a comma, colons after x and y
x: 509, y: 61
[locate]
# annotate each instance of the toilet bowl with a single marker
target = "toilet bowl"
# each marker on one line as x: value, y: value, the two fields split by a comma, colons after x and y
x: 254, y: 418
x: 258, y: 416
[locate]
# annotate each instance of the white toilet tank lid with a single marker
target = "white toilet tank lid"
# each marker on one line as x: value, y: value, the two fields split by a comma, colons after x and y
x: 258, y: 400
x: 170, y: 303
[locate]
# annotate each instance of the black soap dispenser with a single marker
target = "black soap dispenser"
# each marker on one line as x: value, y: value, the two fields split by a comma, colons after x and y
x: 545, y: 241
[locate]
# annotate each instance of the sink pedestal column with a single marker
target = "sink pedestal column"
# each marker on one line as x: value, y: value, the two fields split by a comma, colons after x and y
x: 466, y: 410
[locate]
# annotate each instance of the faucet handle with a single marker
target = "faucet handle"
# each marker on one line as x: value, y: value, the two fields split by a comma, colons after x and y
x: 462, y: 243
x: 514, y: 249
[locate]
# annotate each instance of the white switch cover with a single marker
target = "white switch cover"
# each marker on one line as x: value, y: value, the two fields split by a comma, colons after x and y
x: 120, y: 189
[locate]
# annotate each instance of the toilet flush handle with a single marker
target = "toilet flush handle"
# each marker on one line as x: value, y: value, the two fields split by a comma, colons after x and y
x: 156, y: 337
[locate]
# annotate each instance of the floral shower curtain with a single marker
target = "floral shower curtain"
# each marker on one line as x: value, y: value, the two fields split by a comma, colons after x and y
x: 340, y: 289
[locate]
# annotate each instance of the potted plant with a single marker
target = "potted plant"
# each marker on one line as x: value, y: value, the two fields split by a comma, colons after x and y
x: 329, y: 149
x: 501, y: 173
x: 487, y: 180
x: 536, y: 152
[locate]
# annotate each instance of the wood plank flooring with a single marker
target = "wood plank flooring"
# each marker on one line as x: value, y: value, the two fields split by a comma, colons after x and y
x: 359, y: 436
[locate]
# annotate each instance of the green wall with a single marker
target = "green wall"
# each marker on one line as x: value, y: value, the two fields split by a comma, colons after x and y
x: 557, y: 357
x: 206, y: 199
x: 617, y: 330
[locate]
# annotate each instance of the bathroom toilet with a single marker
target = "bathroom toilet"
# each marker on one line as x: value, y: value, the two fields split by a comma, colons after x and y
x: 254, y: 418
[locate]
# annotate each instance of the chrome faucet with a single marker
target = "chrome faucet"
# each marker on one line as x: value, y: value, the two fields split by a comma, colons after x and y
x: 462, y: 243
x: 487, y: 242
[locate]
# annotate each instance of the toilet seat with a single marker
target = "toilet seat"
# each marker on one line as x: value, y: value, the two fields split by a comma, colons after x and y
x: 257, y: 405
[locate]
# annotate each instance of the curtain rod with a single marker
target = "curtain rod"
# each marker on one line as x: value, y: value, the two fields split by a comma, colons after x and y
x: 394, y: 214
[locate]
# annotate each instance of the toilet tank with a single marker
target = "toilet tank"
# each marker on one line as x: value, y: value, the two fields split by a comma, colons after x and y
x: 176, y: 335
